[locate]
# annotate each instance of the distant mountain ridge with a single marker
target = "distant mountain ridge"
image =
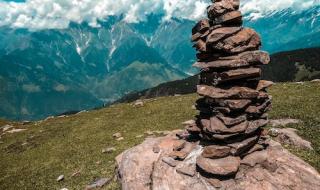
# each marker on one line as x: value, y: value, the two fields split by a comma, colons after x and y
x: 54, y: 71
x: 48, y: 72
x: 291, y: 66
x: 288, y: 29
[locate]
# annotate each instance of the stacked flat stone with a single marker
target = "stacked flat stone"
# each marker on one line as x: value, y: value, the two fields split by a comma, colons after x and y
x: 234, y: 100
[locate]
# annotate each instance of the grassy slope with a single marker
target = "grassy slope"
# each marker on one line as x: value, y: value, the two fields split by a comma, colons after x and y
x: 65, y: 145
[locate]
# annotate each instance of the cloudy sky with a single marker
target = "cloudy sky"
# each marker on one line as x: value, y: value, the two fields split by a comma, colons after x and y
x: 44, y: 14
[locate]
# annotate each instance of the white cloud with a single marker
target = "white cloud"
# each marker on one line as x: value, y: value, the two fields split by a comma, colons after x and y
x: 259, y: 8
x: 47, y: 14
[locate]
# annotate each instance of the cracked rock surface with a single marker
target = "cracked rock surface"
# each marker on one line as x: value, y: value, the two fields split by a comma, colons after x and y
x: 139, y: 168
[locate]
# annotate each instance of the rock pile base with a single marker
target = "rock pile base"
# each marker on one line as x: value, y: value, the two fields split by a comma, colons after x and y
x: 273, y: 168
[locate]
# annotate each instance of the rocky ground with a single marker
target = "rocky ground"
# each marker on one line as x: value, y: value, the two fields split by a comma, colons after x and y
x: 152, y: 166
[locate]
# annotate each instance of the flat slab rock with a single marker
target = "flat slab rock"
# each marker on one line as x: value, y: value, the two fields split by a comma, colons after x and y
x: 222, y: 166
x: 139, y: 168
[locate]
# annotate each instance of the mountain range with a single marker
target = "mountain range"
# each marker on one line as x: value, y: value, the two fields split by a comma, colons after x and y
x: 47, y: 72
x: 298, y: 65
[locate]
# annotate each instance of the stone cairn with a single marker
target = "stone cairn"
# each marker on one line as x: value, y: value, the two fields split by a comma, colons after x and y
x: 225, y: 147
x: 234, y: 100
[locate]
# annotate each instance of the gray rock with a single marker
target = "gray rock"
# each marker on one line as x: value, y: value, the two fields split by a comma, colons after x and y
x: 229, y: 121
x: 234, y: 104
x: 117, y: 135
x: 189, y: 122
x: 283, y: 122
x: 189, y: 170
x: 138, y: 103
x: 257, y: 157
x: 255, y: 125
x: 120, y: 139
x: 289, y: 136
x: 98, y: 183
x: 256, y: 147
x: 108, y: 150
x: 170, y: 161
x: 216, y: 126
x: 240, y: 147
x: 216, y: 151
x: 273, y: 132
x: 264, y: 84
x: 179, y: 145
x: 183, y: 153
x: 223, y: 166
x: 60, y: 178
x: 156, y: 149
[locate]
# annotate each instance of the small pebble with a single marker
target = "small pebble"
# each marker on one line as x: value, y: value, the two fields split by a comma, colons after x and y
x: 149, y: 133
x: 156, y: 149
x: 60, y: 178
x: 98, y: 183
x: 108, y: 150
x: 117, y: 135
x: 120, y: 139
x: 138, y: 103
x: 75, y: 174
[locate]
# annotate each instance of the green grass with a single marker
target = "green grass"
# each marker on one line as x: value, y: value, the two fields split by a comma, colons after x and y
x: 35, y: 158
x: 300, y: 101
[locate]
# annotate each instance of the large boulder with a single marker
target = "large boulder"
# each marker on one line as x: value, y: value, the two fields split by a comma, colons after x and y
x: 140, y: 168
